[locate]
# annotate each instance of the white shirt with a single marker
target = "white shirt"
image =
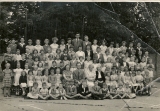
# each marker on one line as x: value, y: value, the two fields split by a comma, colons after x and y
x: 18, y: 57
x: 94, y: 48
x: 103, y: 49
x: 80, y: 53
x: 38, y: 48
x: 99, y: 75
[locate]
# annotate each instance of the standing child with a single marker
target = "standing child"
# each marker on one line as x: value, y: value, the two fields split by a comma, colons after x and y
x: 62, y: 46
x: 30, y: 79
x: 139, y: 80
x: 33, y: 94
x: 43, y: 93
x: 17, y: 75
x: 18, y: 56
x: 94, y: 46
x: 7, y: 81
x: 26, y: 69
x: 38, y: 78
x: 30, y: 61
x: 87, y: 62
x: 13, y: 46
x: 23, y: 82
x: 103, y: 47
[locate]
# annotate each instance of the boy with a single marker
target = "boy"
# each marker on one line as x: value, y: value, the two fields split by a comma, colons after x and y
x: 44, y: 92
x: 53, y: 92
x: 96, y: 91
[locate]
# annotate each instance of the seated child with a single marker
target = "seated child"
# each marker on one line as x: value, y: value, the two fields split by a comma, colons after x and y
x: 33, y: 94
x: 127, y: 92
x: 53, y: 92
x: 105, y: 91
x: 43, y: 93
x: 23, y: 82
x: 84, y: 90
x: 120, y: 91
x: 62, y: 92
x: 96, y: 91
x: 113, y: 92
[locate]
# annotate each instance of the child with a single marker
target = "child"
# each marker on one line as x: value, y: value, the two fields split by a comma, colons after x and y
x: 65, y: 53
x: 45, y: 77
x: 46, y: 46
x: 96, y: 91
x: 84, y: 90
x: 120, y: 91
x: 30, y: 79
x: 80, y: 53
x: 87, y: 62
x: 36, y: 60
x: 58, y: 76
x: 71, y: 52
x: 73, y: 63
x: 40, y: 66
x: 30, y: 61
x: 143, y: 63
x: 114, y: 78
x: 81, y: 61
x: 127, y: 92
x: 30, y: 46
x: 35, y: 54
x: 50, y: 60
x: 71, y: 90
x: 127, y: 78
x: 18, y: 56
x: 111, y: 48
x: 33, y: 94
x: 38, y: 46
x: 131, y: 62
x: 13, y: 46
x: 54, y: 45
x: 62, y: 92
x: 66, y: 61
x: 113, y: 92
x: 147, y: 83
x: 23, y: 61
x: 35, y: 70
x: 103, y: 47
x: 52, y: 78
x: 105, y: 91
x: 139, y: 80
x: 17, y: 74
x: 53, y: 92
x: 38, y: 78
x: 23, y: 82
x: 26, y: 68
x: 117, y: 49
x: 62, y: 46
x: 5, y: 61
x: 43, y: 93
x: 49, y: 53
x: 7, y: 81
x: 94, y: 46
x: 58, y: 60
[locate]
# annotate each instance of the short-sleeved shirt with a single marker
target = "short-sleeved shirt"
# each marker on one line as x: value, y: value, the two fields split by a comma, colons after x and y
x: 44, y: 91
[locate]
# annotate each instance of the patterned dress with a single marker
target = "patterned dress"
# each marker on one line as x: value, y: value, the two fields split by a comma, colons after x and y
x: 7, y: 78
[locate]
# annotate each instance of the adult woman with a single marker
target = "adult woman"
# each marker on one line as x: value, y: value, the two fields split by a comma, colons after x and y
x: 90, y: 76
x: 54, y: 45
x: 67, y: 75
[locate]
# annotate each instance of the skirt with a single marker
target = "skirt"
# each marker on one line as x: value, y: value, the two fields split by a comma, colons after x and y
x: 23, y: 85
x: 30, y: 83
x: 7, y: 82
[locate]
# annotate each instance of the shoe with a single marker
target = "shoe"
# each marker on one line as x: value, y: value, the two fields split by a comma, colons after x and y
x: 61, y: 98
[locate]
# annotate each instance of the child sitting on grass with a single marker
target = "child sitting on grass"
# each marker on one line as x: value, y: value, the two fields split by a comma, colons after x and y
x: 105, y: 91
x: 127, y: 92
x: 33, y: 94
x: 53, y: 92
x: 43, y: 92
x: 62, y: 92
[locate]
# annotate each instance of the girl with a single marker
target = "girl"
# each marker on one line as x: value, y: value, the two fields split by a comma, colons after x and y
x: 54, y: 45
x: 94, y: 46
x: 50, y: 60
x: 38, y: 78
x: 65, y: 53
x: 127, y: 78
x: 143, y: 63
x: 7, y: 81
x: 26, y: 68
x: 30, y: 79
x: 52, y: 78
x: 127, y: 92
x: 58, y: 76
x: 46, y: 46
x: 17, y: 74
x: 42, y: 55
x: 120, y: 79
x: 73, y: 63
x: 123, y: 47
x: 113, y: 92
x: 81, y: 61
x: 105, y: 91
x: 114, y: 78
x: 35, y: 70
x: 131, y: 62
x: 111, y: 48
x: 38, y: 46
x: 107, y: 79
x: 35, y: 54
x: 30, y: 46
x: 103, y: 47
x: 139, y: 80
x: 33, y: 94
x: 45, y: 78
x: 40, y: 66
x: 36, y: 60
x: 66, y: 61
x: 49, y: 53
x: 23, y: 82
x: 18, y: 56
x: 30, y: 61
x: 95, y: 64
x: 13, y: 46
x: 106, y: 55
x: 58, y: 60
x: 62, y: 46
x: 8, y: 53
x: 43, y: 93
x: 120, y: 91
x: 109, y: 63
x: 87, y: 62
x: 53, y: 92
x: 117, y: 49
x: 62, y: 92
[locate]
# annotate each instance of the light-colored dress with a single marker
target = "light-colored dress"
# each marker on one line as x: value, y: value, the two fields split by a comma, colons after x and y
x: 103, y: 48
x: 114, y: 80
x: 30, y: 79
x: 87, y: 63
x: 7, y: 82
x: 94, y: 48
x: 54, y: 47
x: 38, y: 79
x: 58, y: 77
x: 34, y: 94
x: 17, y: 76
x: 45, y: 79
x: 38, y: 48
x: 90, y: 75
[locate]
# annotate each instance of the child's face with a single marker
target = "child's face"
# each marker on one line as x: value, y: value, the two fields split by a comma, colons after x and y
x: 81, y: 58
x: 52, y: 72
x: 23, y: 73
x: 105, y: 86
x: 80, y: 48
x: 18, y: 52
x: 30, y: 73
x: 39, y: 73
x: 103, y: 43
x: 23, y: 57
x: 44, y: 86
x: 84, y: 84
x: 35, y: 85
x: 26, y: 66
x: 117, y: 45
x: 62, y: 42
x: 30, y: 57
x: 46, y: 41
x: 69, y: 41
x: 60, y: 86
x: 36, y: 59
x: 37, y: 42
x: 18, y: 65
x: 58, y: 71
x: 22, y: 40
x: 65, y: 58
x: 95, y: 42
x: 13, y: 41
